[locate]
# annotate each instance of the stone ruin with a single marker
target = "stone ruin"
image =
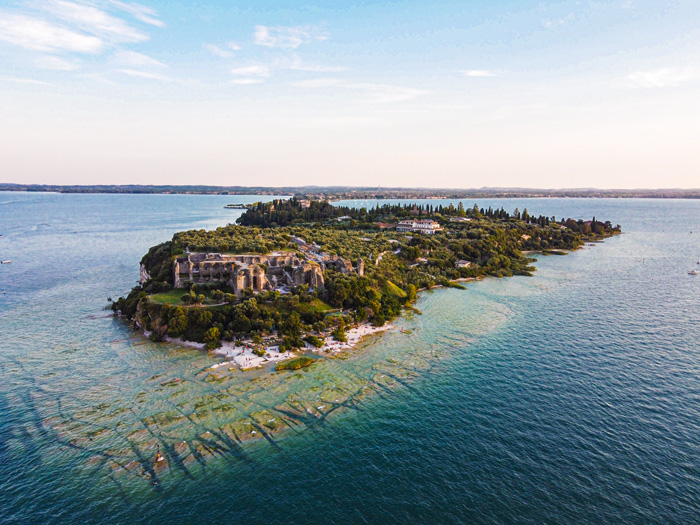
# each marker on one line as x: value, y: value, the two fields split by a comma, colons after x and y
x: 247, y: 271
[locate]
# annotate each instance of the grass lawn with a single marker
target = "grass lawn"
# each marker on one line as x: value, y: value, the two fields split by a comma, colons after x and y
x: 172, y: 297
x: 391, y: 289
x: 318, y: 305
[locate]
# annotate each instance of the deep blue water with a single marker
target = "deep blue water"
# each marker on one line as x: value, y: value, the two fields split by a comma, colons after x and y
x: 568, y: 397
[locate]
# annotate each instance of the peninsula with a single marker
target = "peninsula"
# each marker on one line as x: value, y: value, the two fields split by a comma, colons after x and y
x: 304, y: 274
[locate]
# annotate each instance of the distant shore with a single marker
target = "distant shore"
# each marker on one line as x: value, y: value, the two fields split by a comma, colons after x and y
x: 335, y: 193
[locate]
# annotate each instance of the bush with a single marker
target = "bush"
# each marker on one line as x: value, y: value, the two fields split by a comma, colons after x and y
x: 293, y: 342
x: 212, y: 338
x: 339, y: 334
x: 295, y: 364
x: 313, y: 341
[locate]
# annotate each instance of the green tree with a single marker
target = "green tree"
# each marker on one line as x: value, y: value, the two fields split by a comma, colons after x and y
x: 411, y: 293
x: 378, y: 320
x: 291, y: 327
x: 177, y: 323
x: 339, y: 334
x: 212, y: 338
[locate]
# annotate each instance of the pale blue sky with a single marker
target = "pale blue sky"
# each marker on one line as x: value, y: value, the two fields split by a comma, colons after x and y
x: 439, y: 94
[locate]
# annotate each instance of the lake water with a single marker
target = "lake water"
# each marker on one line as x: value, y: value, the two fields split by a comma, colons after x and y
x: 569, y: 397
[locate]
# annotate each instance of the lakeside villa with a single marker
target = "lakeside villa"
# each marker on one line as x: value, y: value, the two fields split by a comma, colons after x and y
x: 426, y: 226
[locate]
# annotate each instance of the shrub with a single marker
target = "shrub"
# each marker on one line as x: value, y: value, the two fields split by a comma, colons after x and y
x: 212, y: 338
x: 339, y: 334
x: 295, y: 364
x: 314, y: 341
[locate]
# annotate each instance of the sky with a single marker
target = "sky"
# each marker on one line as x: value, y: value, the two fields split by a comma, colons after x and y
x: 441, y: 93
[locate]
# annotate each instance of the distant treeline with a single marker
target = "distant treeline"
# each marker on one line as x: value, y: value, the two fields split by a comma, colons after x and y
x: 348, y: 192
x: 138, y: 188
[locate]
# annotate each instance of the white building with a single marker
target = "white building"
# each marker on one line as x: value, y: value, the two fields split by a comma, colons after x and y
x: 426, y: 226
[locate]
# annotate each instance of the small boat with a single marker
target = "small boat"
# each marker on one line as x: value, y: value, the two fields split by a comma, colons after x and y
x: 6, y: 261
x: 236, y: 206
x: 693, y: 272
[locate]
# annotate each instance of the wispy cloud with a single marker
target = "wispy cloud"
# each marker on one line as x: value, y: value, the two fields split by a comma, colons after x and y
x: 247, y: 81
x: 140, y: 12
x: 663, y: 77
x: 17, y: 80
x: 287, y: 37
x: 298, y: 65
x: 56, y: 63
x: 380, y: 93
x: 252, y: 71
x: 222, y: 52
x: 479, y: 73
x: 250, y: 75
x: 35, y: 33
x: 80, y: 26
x: 551, y: 23
x: 150, y: 75
x: 133, y: 59
x: 95, y: 21
x: 317, y: 82
x: 98, y: 78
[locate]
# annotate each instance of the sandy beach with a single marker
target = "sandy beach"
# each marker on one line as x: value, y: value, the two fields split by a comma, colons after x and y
x: 242, y: 355
x: 354, y: 336
x: 244, y: 358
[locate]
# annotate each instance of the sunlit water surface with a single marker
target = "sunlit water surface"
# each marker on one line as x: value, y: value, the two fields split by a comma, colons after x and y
x: 568, y: 397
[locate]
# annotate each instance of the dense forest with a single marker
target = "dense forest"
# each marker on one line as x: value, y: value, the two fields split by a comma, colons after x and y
x: 485, y: 242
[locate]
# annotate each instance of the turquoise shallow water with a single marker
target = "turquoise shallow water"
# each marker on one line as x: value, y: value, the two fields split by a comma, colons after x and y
x: 568, y: 397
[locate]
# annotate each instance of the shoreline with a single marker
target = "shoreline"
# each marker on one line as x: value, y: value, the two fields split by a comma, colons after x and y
x: 241, y: 354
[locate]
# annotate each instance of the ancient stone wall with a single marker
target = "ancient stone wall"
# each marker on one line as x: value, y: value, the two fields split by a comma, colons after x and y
x: 243, y: 272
